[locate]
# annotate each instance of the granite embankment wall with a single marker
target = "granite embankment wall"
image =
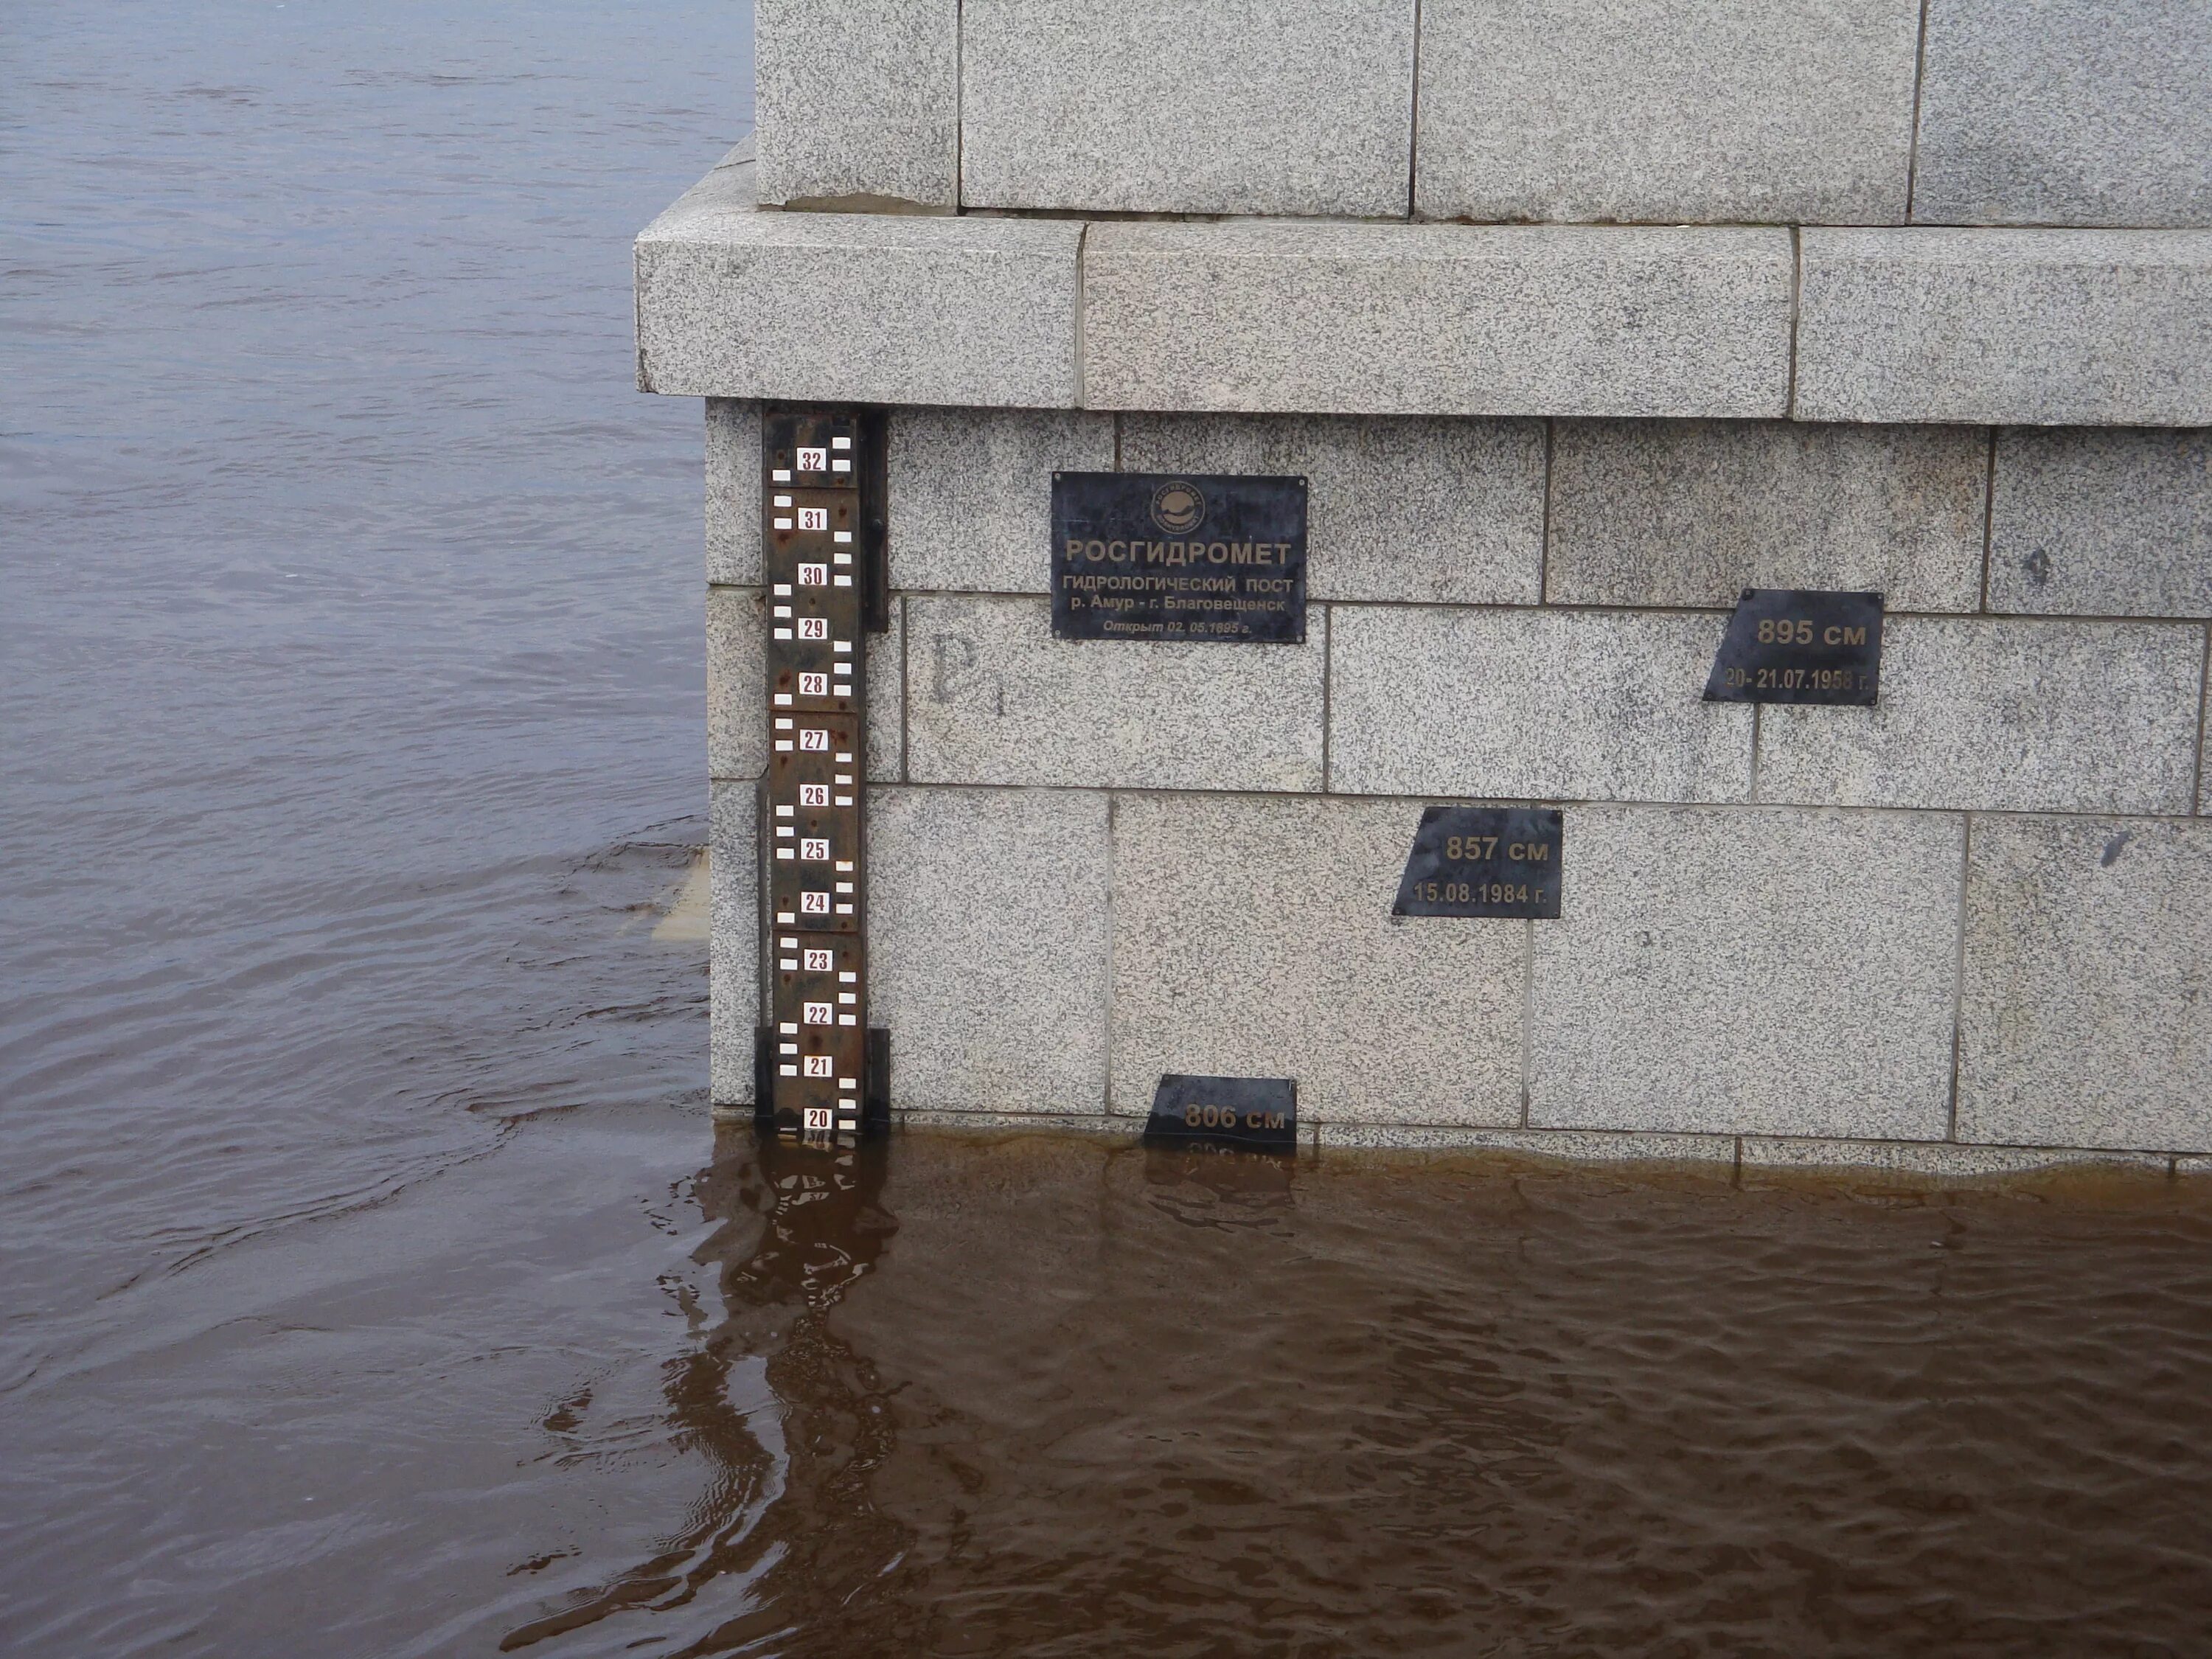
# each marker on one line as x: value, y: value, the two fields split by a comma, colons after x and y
x: 1905, y: 298
x: 1852, y: 113
x: 1979, y: 912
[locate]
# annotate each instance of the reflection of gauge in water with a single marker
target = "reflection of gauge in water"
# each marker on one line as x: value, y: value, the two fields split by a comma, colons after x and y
x: 1178, y: 506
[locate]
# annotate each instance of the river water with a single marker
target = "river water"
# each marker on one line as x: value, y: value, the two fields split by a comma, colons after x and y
x: 373, y: 1282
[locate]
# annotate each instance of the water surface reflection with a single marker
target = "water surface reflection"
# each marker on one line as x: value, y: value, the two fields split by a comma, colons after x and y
x: 1069, y: 1397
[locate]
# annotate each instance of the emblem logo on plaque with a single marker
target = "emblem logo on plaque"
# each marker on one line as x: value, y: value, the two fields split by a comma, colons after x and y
x: 1191, y: 557
x: 1178, y: 507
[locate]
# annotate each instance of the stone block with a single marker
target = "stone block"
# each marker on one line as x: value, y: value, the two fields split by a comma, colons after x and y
x: 1252, y: 938
x: 987, y: 930
x: 737, y: 689
x: 1674, y: 111
x: 861, y: 98
x: 2018, y: 327
x: 992, y: 1123
x: 1292, y: 106
x: 1271, y: 316
x: 1532, y: 705
x: 737, y: 714
x: 1749, y: 971
x: 2086, y: 1013
x: 2111, y: 523
x: 845, y: 307
x: 971, y: 493
x: 733, y: 496
x: 1921, y: 1163
x: 2066, y: 112
x: 2003, y: 715
x: 1401, y: 507
x: 993, y: 698
x: 1690, y: 513
x: 1714, y: 1153
x: 733, y: 966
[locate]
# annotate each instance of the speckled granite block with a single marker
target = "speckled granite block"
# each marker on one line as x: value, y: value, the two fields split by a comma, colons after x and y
x: 1294, y: 106
x: 1690, y: 513
x: 845, y: 307
x: 1930, y: 1162
x: 859, y: 98
x: 2103, y: 522
x: 736, y: 687
x: 734, y: 970
x: 1076, y: 1123
x: 1666, y: 110
x: 1532, y: 704
x: 993, y: 698
x: 1275, y: 315
x: 987, y: 930
x: 2006, y: 715
x: 733, y: 495
x: 1567, y: 1145
x: 736, y: 715
x: 2023, y: 327
x: 1441, y: 511
x: 1749, y: 971
x: 2087, y: 1013
x: 971, y: 493
x: 2066, y: 112
x: 1252, y: 938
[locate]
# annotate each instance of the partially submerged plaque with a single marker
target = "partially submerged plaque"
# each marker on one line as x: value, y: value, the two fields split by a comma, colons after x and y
x: 1799, y: 646
x: 1253, y: 1113
x: 1186, y: 556
x: 1484, y: 861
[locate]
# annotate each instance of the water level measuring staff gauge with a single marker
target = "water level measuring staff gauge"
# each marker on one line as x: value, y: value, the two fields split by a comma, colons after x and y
x: 818, y: 1071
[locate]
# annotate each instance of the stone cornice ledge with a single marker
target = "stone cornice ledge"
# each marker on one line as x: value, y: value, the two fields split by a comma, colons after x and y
x: 735, y: 303
x: 1267, y: 315
x: 2019, y: 327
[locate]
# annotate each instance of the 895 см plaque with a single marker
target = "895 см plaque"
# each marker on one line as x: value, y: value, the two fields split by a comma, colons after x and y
x: 1795, y: 645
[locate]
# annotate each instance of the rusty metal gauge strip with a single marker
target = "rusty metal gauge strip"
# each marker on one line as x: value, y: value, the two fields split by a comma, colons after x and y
x: 820, y: 550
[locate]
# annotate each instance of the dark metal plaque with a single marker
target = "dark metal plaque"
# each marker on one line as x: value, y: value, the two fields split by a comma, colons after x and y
x: 1796, y: 645
x: 1192, y: 557
x: 1483, y: 861
x: 1254, y: 1113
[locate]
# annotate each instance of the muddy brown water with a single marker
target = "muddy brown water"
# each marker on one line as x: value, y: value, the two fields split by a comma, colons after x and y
x: 1047, y: 1396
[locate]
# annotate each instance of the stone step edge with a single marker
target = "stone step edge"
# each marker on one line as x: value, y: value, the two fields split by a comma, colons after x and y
x: 1912, y: 323
x: 1763, y: 1154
